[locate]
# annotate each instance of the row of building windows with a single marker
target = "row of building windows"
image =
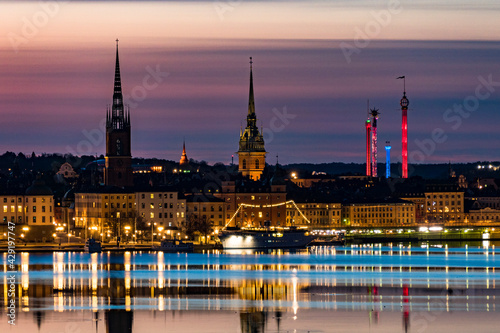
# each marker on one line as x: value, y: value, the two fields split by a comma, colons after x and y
x: 383, y: 221
x: 20, y: 219
x: 204, y: 208
x: 381, y: 209
x: 19, y: 199
x: 446, y: 196
x: 20, y: 209
x: 159, y: 195
x: 162, y: 206
x: 377, y: 215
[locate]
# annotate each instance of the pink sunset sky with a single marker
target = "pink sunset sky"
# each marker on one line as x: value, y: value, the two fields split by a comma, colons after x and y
x: 57, y: 67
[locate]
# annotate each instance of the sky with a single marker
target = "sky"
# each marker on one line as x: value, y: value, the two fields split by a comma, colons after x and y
x: 185, y: 75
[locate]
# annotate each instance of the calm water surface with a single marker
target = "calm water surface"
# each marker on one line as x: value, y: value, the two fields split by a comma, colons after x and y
x: 369, y: 288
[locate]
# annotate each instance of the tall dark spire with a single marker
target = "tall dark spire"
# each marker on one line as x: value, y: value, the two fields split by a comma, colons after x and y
x: 118, y: 167
x: 251, y: 101
x: 118, y: 119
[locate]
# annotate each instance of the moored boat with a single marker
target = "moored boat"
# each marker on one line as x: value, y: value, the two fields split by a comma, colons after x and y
x: 174, y: 245
x: 93, y: 246
x: 265, y: 238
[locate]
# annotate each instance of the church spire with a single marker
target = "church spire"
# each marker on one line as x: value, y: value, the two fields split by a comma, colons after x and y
x: 118, y: 119
x: 118, y: 81
x: 184, y: 159
x: 252, y: 154
x: 118, y: 159
x: 251, y: 101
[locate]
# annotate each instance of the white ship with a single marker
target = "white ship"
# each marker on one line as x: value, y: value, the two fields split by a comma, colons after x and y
x: 277, y: 238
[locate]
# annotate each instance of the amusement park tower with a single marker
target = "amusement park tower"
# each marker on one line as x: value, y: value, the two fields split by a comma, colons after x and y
x: 404, y: 127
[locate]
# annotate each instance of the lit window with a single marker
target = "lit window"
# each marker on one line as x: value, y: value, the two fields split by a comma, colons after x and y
x: 152, y: 215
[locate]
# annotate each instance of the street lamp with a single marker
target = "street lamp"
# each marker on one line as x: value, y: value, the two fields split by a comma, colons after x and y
x: 127, y: 230
x: 152, y: 230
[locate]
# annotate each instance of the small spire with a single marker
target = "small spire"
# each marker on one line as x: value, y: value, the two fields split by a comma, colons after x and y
x: 184, y: 159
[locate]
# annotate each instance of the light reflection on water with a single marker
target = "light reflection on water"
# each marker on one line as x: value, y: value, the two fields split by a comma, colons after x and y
x: 117, y: 292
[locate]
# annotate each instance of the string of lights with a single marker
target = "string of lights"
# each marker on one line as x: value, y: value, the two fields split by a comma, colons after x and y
x: 266, y: 206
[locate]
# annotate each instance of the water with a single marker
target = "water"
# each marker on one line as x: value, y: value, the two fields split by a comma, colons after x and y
x: 371, y: 288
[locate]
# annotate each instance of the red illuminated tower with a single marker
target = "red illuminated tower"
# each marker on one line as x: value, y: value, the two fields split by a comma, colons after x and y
x: 368, y: 126
x: 374, y: 113
x: 404, y: 127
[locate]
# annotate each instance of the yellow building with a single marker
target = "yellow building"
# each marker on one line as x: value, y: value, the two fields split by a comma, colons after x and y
x: 314, y: 215
x: 39, y: 204
x: 162, y: 207
x: 105, y: 212
x: 251, y: 152
x: 483, y: 217
x: 13, y: 208
x: 31, y: 211
x: 444, y: 204
x: 393, y: 213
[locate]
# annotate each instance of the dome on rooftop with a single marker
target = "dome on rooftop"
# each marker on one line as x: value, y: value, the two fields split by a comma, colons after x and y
x: 38, y: 188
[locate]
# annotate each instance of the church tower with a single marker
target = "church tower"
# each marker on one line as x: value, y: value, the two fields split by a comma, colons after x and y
x: 251, y: 154
x: 118, y: 170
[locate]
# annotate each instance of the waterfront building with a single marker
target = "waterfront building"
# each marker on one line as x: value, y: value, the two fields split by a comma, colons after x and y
x: 206, y: 207
x: 483, y: 217
x: 390, y: 213
x: 251, y: 203
x: 104, y: 212
x: 162, y: 206
x: 444, y: 204
x: 32, y: 211
x: 316, y: 214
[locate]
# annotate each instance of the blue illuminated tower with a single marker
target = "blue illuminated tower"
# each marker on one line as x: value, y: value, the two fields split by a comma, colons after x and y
x: 387, y: 159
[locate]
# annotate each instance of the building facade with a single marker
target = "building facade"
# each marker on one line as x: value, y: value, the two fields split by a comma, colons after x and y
x: 391, y: 214
x: 164, y: 208
x: 314, y: 215
x: 207, y: 207
x: 250, y: 204
x: 32, y: 211
x: 104, y: 212
x: 444, y: 204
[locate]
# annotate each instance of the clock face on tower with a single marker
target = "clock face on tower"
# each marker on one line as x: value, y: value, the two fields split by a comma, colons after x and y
x: 118, y: 147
